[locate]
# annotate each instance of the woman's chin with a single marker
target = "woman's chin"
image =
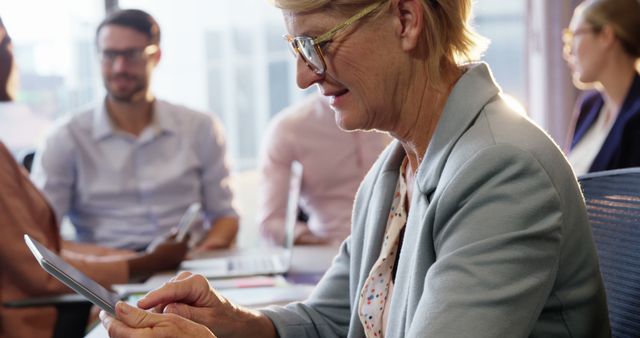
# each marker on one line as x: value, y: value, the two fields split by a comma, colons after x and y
x: 345, y: 123
x: 352, y: 125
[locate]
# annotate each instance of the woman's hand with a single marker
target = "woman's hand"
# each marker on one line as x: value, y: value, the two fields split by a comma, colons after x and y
x: 190, y: 296
x: 308, y: 238
x: 131, y: 322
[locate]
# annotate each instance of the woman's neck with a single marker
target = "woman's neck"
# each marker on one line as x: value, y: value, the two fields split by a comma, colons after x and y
x: 419, y: 124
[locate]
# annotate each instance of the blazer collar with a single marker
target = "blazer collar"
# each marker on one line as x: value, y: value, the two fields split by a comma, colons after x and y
x: 592, y: 103
x: 470, y: 94
x: 631, y: 100
x: 594, y: 106
x: 605, y: 159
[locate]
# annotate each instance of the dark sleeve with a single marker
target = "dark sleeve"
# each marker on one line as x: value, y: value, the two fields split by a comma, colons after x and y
x: 23, y: 210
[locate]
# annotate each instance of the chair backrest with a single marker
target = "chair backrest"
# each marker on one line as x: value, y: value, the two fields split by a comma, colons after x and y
x: 26, y: 158
x: 613, y: 205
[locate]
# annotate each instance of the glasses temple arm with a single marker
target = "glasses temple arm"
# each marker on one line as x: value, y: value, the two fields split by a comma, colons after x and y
x: 328, y: 35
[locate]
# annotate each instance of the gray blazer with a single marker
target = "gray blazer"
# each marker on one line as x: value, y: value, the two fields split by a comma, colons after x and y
x: 497, y: 242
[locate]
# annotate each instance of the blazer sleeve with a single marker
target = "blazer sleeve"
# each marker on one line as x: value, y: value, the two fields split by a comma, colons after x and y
x: 327, y: 312
x: 497, y: 253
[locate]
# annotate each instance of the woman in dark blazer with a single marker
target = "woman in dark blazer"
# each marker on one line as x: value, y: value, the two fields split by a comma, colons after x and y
x: 602, y: 47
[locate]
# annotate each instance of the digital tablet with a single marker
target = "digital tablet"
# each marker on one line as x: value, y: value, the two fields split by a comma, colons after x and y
x: 188, y: 220
x: 72, y: 277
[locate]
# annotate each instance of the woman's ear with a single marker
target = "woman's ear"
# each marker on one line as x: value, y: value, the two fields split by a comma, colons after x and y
x: 607, y: 35
x: 409, y: 15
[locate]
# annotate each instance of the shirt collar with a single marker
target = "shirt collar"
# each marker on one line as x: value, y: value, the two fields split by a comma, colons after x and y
x: 102, y: 126
x: 162, y: 121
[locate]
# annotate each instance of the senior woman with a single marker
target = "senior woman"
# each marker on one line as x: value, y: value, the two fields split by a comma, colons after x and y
x: 471, y: 224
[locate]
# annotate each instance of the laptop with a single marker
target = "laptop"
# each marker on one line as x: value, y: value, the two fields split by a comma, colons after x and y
x: 72, y: 277
x: 274, y: 261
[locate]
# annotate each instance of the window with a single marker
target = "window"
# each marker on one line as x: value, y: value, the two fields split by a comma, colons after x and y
x: 223, y: 57
x: 503, y: 22
x: 250, y: 75
x: 53, y: 45
x: 244, y: 74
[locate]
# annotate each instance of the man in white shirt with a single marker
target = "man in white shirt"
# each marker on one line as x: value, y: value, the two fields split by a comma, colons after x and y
x: 125, y: 171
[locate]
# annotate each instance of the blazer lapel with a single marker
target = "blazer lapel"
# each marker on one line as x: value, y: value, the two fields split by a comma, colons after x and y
x: 611, y: 146
x: 471, y: 93
x: 381, y: 199
x: 590, y: 114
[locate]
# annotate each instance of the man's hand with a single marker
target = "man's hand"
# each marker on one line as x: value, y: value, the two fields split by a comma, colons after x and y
x: 222, y: 234
x: 164, y: 255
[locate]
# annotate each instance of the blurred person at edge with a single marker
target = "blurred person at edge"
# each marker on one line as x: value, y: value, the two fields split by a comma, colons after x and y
x: 126, y: 171
x: 24, y: 210
x: 602, y: 48
x: 470, y: 224
x: 21, y: 130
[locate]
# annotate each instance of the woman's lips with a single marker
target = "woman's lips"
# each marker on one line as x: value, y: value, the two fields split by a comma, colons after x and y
x: 336, y: 98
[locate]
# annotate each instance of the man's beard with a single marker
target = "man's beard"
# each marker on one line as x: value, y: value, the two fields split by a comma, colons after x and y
x: 128, y: 95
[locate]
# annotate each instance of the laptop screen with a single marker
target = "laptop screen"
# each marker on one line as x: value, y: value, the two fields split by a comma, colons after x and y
x: 295, y: 184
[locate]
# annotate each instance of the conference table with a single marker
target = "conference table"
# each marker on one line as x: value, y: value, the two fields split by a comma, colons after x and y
x: 308, y: 264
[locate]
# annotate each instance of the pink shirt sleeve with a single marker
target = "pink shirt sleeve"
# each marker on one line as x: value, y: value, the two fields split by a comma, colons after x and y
x: 277, y: 155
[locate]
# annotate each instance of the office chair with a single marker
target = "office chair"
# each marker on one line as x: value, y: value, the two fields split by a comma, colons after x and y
x: 26, y: 159
x: 613, y: 206
x: 73, y: 313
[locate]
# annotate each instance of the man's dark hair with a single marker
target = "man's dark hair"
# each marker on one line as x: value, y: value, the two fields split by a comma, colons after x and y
x: 135, y: 19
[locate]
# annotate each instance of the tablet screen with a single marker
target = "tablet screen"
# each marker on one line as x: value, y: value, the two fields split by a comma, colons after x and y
x: 72, y: 277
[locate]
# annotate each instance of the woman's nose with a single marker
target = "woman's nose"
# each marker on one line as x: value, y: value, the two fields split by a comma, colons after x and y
x: 567, y: 52
x: 305, y: 76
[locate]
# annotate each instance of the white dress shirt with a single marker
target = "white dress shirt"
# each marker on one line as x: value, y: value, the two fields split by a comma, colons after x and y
x: 123, y: 191
x: 585, y: 151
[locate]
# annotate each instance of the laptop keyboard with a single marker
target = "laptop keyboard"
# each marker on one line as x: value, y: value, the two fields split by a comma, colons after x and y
x: 252, y: 264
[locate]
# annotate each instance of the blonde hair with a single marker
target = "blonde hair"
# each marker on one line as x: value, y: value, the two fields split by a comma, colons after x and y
x: 622, y: 15
x: 448, y: 34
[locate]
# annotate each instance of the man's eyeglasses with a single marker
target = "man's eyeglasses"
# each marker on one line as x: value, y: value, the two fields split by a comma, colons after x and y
x: 310, y: 49
x: 130, y: 56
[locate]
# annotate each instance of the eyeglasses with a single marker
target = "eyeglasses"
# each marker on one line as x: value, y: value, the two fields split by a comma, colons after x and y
x: 130, y: 56
x: 568, y: 35
x: 310, y: 49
